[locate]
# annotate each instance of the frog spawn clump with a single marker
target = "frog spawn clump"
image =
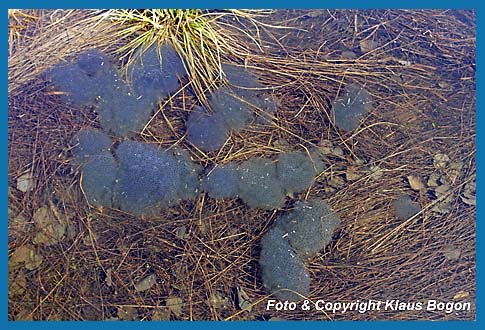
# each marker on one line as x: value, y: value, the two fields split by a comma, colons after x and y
x: 233, y: 108
x: 350, y: 107
x: 295, y: 237
x: 261, y: 182
x: 123, y: 109
x: 163, y: 178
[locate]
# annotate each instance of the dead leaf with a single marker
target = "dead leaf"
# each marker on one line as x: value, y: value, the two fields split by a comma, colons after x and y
x: 443, y: 207
x: 50, y: 229
x: 433, y: 180
x: 460, y: 295
x: 174, y: 304
x: 26, y: 254
x: 218, y: 300
x: 25, y: 314
x: 89, y: 239
x: 336, y: 181
x: 469, y: 199
x: 25, y: 182
x: 146, y: 283
x: 440, y: 161
x: 352, y: 173
x: 127, y: 313
x: 243, y: 300
x: 453, y: 171
x: 16, y: 282
x: 18, y: 225
x: 416, y: 182
x: 181, y: 232
x: 452, y: 253
x: 367, y: 45
x: 376, y: 172
x: 442, y: 190
x: 161, y: 314
x: 326, y: 148
x: 337, y: 151
x: 348, y: 55
x: 469, y: 194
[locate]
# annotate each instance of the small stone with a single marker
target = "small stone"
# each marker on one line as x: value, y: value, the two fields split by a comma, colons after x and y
x: 405, y: 208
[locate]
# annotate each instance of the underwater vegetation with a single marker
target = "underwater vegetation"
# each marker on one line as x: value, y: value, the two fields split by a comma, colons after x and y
x: 123, y: 109
x: 140, y: 178
x: 294, y: 237
x: 350, y: 107
x: 233, y: 108
x: 261, y: 182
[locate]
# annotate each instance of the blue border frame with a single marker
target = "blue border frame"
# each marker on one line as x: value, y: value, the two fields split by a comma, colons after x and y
x: 354, y: 4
